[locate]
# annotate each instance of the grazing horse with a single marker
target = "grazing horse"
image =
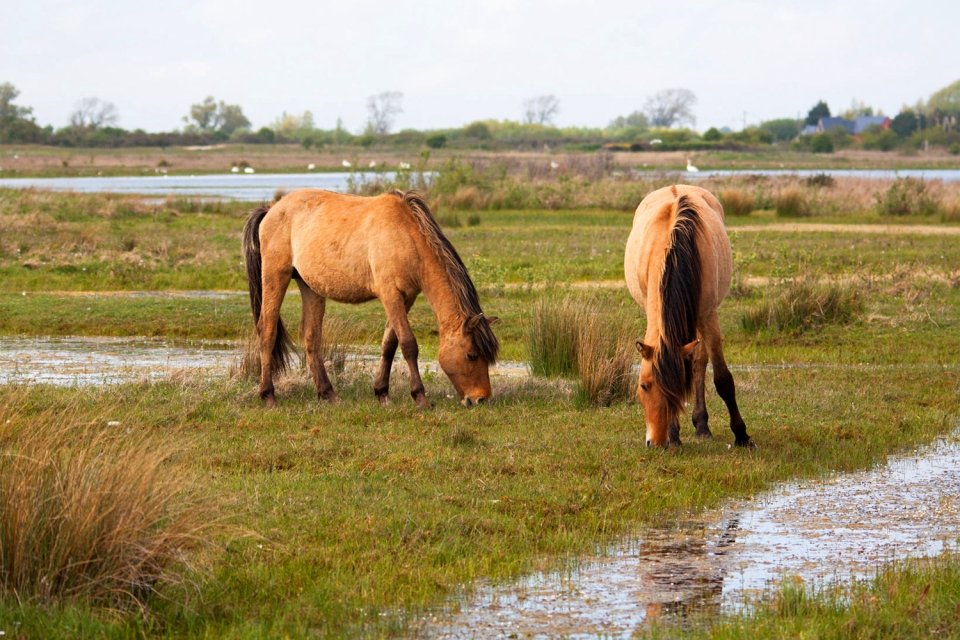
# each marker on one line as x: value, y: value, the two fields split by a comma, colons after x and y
x: 354, y: 249
x: 678, y: 267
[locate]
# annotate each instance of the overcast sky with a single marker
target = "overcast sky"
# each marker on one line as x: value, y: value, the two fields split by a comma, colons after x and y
x: 459, y: 62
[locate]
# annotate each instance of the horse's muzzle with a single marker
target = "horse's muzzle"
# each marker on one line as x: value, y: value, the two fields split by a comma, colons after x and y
x: 469, y: 402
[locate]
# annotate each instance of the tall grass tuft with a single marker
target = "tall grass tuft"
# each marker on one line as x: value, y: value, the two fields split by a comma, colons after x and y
x: 737, y: 202
x: 553, y: 337
x: 792, y: 202
x: 908, y: 197
x: 568, y: 340
x: 803, y: 306
x: 91, y: 513
x: 338, y: 338
x: 604, y: 361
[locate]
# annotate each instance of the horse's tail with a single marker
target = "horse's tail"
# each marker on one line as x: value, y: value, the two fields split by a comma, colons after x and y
x: 283, y: 346
x: 680, y: 289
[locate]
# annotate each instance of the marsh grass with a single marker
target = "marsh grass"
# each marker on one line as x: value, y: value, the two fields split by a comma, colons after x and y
x: 91, y: 512
x: 793, y: 202
x: 909, y: 197
x: 554, y: 334
x: 568, y: 339
x: 737, y: 202
x: 604, y: 361
x: 340, y: 337
x: 803, y: 306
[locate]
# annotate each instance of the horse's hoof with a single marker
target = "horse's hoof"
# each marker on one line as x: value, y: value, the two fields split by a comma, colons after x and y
x: 384, y: 400
x: 422, y: 402
x: 269, y: 402
x: 332, y: 398
x: 747, y: 444
x: 704, y: 435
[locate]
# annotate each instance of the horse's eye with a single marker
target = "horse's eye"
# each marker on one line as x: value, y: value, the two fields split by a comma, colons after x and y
x: 645, y: 386
x: 471, y: 356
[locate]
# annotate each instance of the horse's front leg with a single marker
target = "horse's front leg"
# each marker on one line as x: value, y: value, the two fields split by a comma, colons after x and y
x: 700, y: 417
x: 388, y: 349
x: 397, y: 317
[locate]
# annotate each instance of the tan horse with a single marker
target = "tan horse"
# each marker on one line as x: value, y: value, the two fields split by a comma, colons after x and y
x: 354, y: 249
x: 678, y: 266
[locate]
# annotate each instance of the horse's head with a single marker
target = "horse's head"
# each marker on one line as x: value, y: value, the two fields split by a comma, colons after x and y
x: 466, y: 355
x: 662, y: 388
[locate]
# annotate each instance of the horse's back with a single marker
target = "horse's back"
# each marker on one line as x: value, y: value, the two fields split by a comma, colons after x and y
x: 650, y: 237
x: 343, y: 247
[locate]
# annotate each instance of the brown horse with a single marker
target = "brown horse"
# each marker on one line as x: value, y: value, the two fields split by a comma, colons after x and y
x: 354, y: 249
x: 678, y: 266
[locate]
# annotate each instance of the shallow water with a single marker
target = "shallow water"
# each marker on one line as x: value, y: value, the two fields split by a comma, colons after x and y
x: 815, y: 532
x: 250, y: 188
x: 262, y: 186
x: 73, y: 361
x: 80, y: 361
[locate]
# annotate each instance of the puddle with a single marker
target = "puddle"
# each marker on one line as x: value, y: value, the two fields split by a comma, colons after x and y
x: 817, y: 532
x: 80, y: 361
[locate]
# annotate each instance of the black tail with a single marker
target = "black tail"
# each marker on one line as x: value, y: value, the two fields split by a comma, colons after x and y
x: 283, y: 347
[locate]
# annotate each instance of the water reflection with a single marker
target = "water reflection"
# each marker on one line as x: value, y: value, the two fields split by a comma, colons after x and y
x: 816, y: 532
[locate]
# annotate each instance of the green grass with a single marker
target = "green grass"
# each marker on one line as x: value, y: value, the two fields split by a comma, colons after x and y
x: 916, y: 599
x: 349, y: 519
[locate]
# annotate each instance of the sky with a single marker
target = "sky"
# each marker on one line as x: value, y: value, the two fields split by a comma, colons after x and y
x: 457, y: 62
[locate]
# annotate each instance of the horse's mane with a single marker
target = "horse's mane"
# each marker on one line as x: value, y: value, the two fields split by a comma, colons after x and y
x: 460, y: 283
x: 679, y: 303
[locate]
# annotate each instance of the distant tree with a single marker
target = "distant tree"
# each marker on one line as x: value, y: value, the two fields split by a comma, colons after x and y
x: 382, y: 109
x: 90, y: 114
x: 857, y: 109
x: 671, y: 107
x: 9, y: 111
x: 782, y: 129
x: 541, y: 109
x: 712, y: 134
x: 477, y: 131
x: 905, y: 123
x: 821, y: 143
x: 636, y: 120
x: 946, y: 100
x: 437, y: 141
x: 292, y: 126
x: 204, y: 114
x: 819, y: 110
x: 221, y: 118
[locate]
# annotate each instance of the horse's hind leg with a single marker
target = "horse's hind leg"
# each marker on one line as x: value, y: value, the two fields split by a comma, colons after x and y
x: 388, y: 349
x: 396, y: 308
x: 700, y: 418
x: 311, y: 329
x: 723, y: 381
x: 275, y: 283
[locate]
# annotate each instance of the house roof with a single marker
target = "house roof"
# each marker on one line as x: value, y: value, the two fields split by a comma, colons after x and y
x: 833, y: 122
x: 865, y: 122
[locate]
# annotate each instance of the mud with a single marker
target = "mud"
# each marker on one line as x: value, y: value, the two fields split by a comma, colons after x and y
x: 812, y: 533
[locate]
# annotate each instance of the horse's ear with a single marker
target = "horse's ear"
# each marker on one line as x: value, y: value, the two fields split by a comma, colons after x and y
x: 470, y: 325
x: 645, y: 350
x: 688, y: 349
x: 492, y: 321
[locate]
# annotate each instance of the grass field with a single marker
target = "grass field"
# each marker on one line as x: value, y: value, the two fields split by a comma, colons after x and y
x: 352, y: 519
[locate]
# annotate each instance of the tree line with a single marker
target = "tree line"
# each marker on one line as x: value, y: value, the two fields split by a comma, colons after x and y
x: 665, y: 121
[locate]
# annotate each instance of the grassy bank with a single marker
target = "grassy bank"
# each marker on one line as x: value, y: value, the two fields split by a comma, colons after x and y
x: 353, y: 519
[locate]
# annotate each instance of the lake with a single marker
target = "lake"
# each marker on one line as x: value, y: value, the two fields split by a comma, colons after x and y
x: 262, y: 186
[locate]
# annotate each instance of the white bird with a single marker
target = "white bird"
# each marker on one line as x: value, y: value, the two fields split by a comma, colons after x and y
x: 404, y: 165
x: 311, y: 167
x: 346, y: 163
x: 690, y: 167
x: 554, y: 165
x: 373, y: 163
x: 235, y: 169
x: 248, y: 170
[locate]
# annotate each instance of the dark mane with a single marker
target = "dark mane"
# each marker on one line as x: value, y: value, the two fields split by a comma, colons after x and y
x: 680, y: 301
x: 462, y: 286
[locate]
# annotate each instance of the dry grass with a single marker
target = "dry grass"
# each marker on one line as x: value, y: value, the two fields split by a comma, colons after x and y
x: 339, y: 337
x: 604, y: 361
x: 737, y: 202
x: 554, y: 336
x: 803, y: 305
x: 793, y: 202
x: 93, y: 512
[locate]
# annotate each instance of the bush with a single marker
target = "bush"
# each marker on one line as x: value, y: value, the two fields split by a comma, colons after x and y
x: 792, y: 202
x: 820, y: 180
x: 803, y: 306
x: 907, y: 197
x: 437, y: 141
x: 736, y: 202
x: 92, y: 513
x: 821, y: 143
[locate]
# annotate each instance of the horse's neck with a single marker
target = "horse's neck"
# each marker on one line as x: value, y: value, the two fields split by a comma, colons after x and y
x: 438, y: 291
